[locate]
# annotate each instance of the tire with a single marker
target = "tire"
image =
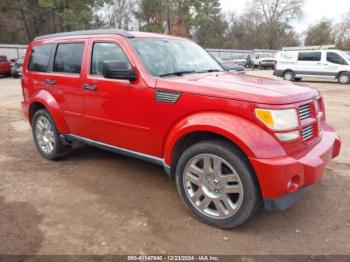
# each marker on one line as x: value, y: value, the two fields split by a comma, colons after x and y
x: 288, y: 76
x: 344, y: 78
x: 226, y: 202
x: 46, y: 136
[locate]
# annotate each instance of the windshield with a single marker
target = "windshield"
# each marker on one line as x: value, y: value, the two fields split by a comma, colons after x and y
x: 166, y: 57
x: 3, y: 59
x: 346, y: 55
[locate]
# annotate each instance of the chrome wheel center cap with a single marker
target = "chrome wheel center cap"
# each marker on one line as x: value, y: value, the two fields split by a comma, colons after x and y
x: 214, y: 184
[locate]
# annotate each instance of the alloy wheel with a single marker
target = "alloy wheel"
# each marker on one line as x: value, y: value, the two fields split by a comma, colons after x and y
x: 213, y: 186
x: 44, y: 135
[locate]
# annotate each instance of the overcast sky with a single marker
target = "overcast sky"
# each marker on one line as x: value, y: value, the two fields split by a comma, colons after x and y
x: 314, y: 10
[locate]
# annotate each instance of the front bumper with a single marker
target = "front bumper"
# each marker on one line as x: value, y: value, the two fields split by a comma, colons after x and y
x: 279, y: 177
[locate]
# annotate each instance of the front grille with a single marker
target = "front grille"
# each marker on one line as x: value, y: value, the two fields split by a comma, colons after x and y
x: 308, y: 132
x: 305, y: 111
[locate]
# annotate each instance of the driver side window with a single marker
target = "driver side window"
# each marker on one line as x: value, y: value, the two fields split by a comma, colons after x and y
x: 335, y: 59
x: 105, y: 52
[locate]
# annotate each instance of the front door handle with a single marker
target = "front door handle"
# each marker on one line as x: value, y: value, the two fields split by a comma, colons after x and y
x: 90, y: 87
x: 50, y: 82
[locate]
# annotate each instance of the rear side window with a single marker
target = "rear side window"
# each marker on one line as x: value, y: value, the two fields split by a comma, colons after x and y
x: 309, y: 56
x: 335, y: 58
x: 105, y: 52
x: 39, y: 58
x: 68, y: 58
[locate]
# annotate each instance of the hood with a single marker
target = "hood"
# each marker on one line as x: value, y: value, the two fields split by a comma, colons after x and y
x: 239, y: 87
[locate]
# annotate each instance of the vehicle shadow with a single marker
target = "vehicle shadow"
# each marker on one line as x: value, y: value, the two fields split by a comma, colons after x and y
x: 19, y: 228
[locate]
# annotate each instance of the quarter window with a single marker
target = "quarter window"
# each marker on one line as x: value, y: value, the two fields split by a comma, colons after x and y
x: 39, y: 58
x: 106, y: 52
x: 68, y: 58
x: 309, y: 56
x: 335, y: 58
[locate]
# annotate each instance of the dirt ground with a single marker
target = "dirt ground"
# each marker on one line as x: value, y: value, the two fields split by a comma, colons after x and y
x: 96, y: 202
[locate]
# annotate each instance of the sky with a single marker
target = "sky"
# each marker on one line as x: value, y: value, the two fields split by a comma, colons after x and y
x: 314, y: 11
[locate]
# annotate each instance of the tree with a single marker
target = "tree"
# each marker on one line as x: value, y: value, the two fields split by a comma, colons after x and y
x: 320, y: 33
x: 276, y: 16
x: 209, y: 23
x: 117, y: 14
x: 36, y: 17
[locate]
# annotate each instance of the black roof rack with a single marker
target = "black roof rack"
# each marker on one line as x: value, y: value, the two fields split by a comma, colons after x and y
x: 87, y: 32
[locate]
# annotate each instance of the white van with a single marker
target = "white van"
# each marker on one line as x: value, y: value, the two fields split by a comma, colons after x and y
x: 293, y: 65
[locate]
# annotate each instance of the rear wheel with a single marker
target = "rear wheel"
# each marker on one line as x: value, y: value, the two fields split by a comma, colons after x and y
x: 288, y: 75
x: 344, y: 78
x: 217, y: 184
x: 46, y: 136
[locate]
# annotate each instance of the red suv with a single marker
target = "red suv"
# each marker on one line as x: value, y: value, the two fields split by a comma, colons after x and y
x: 230, y: 141
x: 5, y: 66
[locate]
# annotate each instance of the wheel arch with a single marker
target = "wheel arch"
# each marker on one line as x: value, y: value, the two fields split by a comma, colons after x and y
x: 239, y: 132
x: 343, y: 71
x: 44, y: 100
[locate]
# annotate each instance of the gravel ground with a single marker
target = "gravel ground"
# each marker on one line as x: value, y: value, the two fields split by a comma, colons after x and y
x: 96, y: 202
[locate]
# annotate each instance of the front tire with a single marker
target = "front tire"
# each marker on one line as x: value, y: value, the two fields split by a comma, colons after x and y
x: 344, y: 78
x: 47, y: 137
x: 288, y: 76
x: 217, y: 184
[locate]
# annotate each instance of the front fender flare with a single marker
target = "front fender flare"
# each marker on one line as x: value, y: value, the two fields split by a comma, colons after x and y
x: 45, y: 98
x: 254, y: 141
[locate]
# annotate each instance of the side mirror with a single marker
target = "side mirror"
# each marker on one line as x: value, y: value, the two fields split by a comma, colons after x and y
x: 116, y: 69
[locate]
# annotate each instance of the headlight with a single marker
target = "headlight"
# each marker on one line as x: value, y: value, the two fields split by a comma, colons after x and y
x: 278, y: 120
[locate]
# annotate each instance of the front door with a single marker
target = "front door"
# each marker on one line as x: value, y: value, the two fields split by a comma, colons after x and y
x: 117, y: 112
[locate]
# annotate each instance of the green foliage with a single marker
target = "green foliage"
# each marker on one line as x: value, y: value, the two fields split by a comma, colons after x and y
x: 320, y: 33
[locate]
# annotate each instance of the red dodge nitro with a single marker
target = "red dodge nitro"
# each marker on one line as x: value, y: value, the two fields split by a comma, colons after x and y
x: 230, y: 141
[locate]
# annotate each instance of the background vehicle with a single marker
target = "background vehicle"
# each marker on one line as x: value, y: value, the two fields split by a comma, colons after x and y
x: 5, y: 66
x: 230, y: 66
x: 16, y: 69
x: 264, y: 62
x: 229, y: 140
x: 313, y: 62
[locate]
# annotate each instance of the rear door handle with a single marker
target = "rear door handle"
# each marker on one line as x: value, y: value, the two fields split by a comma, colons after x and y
x: 90, y: 87
x: 50, y: 82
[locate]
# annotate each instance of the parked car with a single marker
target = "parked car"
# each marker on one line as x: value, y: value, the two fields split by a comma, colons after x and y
x: 5, y: 66
x: 16, y: 69
x: 264, y: 62
x: 323, y: 64
x: 230, y: 67
x: 239, y: 60
x: 230, y: 141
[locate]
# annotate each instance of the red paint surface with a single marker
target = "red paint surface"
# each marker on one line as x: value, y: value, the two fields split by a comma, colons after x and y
x: 126, y: 114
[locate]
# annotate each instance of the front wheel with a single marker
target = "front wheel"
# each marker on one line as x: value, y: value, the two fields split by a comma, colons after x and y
x: 344, y: 78
x: 216, y: 184
x: 289, y: 76
x: 46, y: 136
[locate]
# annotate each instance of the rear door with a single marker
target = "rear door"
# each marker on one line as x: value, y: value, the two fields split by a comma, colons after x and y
x: 309, y: 64
x: 65, y: 83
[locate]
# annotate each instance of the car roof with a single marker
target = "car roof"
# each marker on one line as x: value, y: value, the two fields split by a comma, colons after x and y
x: 126, y: 34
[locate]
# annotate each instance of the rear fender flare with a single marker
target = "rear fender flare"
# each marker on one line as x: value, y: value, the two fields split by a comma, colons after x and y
x: 45, y: 98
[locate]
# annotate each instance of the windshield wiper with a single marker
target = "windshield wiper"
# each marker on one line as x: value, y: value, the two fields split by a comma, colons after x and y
x: 178, y: 73
x: 208, y: 71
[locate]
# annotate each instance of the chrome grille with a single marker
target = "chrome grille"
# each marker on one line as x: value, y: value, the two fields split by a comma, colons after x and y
x: 308, y: 132
x: 305, y: 111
